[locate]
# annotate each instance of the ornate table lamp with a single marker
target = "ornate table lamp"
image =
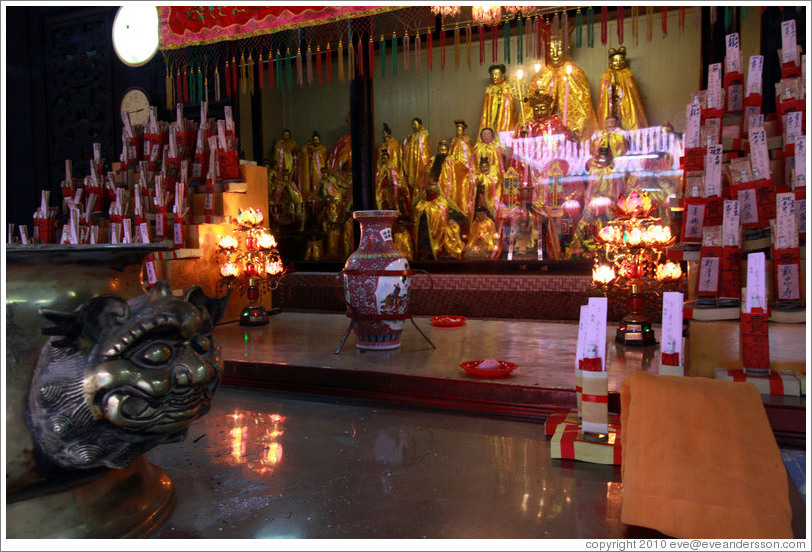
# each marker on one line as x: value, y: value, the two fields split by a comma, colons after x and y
x: 250, y: 263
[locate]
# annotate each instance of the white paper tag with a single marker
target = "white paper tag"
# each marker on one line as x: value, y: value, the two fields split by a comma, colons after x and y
x: 178, y: 236
x: 733, y: 58
x: 756, y: 283
x: 143, y: 232
x: 596, y: 330
x: 800, y: 208
x: 694, y: 221
x: 208, y: 202
x: 583, y: 320
x: 788, y: 282
x: 800, y: 161
x: 386, y: 234
x: 748, y: 206
x: 735, y: 101
x: 786, y: 230
x: 24, y: 234
x: 693, y: 115
x: 754, y: 71
x: 715, y: 86
x: 152, y: 277
x: 713, y: 171
x: 759, y: 156
x: 229, y: 118
x: 731, y: 227
x: 708, y: 275
x: 160, y: 224
x: 128, y: 230
x: 672, y: 323
x: 792, y: 126
x: 789, y: 47
x: 750, y: 111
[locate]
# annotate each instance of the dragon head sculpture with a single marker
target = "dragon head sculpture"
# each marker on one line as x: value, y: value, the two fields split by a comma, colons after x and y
x: 119, y: 377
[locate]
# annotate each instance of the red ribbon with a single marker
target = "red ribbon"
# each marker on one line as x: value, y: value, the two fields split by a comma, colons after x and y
x: 620, y: 24
x: 228, y: 80
x: 597, y: 399
x: 318, y: 62
x: 776, y: 383
x: 664, y: 13
x: 591, y: 364
x: 371, y: 56
x: 430, y: 50
x: 669, y: 359
x: 359, y: 58
x: 604, y: 24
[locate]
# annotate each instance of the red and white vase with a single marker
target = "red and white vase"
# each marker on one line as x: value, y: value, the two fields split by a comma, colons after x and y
x: 376, y: 283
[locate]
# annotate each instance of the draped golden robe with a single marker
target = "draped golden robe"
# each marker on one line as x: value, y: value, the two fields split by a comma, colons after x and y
x: 395, y: 154
x: 416, y: 155
x: 453, y: 181
x: 443, y: 233
x: 313, y: 159
x: 481, y: 239
x: 286, y: 155
x: 462, y: 151
x: 580, y: 117
x: 602, y: 181
x: 341, y: 155
x: 498, y: 109
x: 630, y: 110
x: 391, y: 189
x: 493, y: 190
x: 403, y: 241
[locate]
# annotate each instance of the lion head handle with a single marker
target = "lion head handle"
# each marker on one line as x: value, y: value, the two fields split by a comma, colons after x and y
x: 119, y: 377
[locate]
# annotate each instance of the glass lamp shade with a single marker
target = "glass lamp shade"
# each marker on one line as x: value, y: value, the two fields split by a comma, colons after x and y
x: 135, y: 33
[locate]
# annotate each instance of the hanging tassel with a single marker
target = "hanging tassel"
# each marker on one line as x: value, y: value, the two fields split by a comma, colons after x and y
x: 350, y: 59
x: 519, y: 41
x: 468, y: 33
x: 457, y: 46
x: 664, y: 14
x: 579, y: 28
x: 429, y: 50
x: 318, y: 62
x: 634, y: 24
x: 192, y: 86
x: 234, y: 75
x: 243, y: 77
x: 309, y: 65
x: 620, y: 23
x: 564, y: 29
x: 556, y: 26
x: 200, y: 96
x: 727, y: 19
x: 604, y: 25
x: 371, y: 56
x: 494, y: 43
x: 682, y: 21
x: 328, y: 58
x: 340, y: 62
x: 288, y: 70
x: 185, y: 87
x: 506, y: 40
x: 271, y: 76
x: 216, y: 84
x: 590, y: 27
x: 278, y: 73
x: 417, y: 51
x: 359, y: 57
x: 745, y: 13
x: 406, y: 54
x: 529, y: 48
x: 382, y: 53
x: 540, y: 30
x: 649, y: 22
x: 442, y: 48
x: 168, y: 83
x: 251, y: 73
x: 261, y: 70
x: 299, y: 68
x: 481, y: 44
x: 393, y: 45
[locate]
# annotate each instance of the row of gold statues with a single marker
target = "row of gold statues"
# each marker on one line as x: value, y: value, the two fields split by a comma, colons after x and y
x: 472, y: 199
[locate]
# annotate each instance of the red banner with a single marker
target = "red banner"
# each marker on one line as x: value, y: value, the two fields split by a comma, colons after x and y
x: 183, y: 26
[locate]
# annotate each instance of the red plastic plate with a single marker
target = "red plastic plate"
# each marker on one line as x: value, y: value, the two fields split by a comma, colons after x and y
x: 448, y: 320
x: 504, y: 368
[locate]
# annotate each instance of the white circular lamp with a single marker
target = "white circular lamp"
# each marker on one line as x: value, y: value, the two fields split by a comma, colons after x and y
x: 135, y: 33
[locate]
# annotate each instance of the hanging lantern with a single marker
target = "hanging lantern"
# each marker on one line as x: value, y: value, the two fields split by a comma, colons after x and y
x: 446, y: 11
x: 486, y: 15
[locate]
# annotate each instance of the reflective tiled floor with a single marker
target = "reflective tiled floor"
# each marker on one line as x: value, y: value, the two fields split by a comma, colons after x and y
x: 265, y: 464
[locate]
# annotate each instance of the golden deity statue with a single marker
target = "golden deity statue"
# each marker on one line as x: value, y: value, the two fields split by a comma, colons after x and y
x: 314, y: 157
x: 462, y: 147
x: 438, y: 234
x: 392, y: 146
x: 286, y: 155
x: 618, y: 94
x: 487, y: 187
x: 287, y: 204
x: 604, y: 186
x: 452, y: 177
x: 481, y: 237
x: 562, y: 79
x: 391, y: 189
x: 486, y: 146
x: 416, y: 155
x: 341, y: 155
x: 498, y: 107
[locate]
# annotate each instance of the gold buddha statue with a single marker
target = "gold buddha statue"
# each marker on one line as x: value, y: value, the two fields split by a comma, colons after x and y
x: 562, y: 79
x: 452, y: 177
x: 438, y: 233
x: 482, y: 236
x: 314, y: 157
x: 416, y: 154
x: 619, y: 95
x: 392, y: 147
x: 286, y: 155
x: 462, y: 147
x: 499, y: 106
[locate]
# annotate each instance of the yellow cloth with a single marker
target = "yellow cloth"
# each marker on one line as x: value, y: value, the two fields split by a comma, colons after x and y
x: 403, y: 242
x: 395, y: 154
x: 341, y: 155
x: 462, y: 151
x: 453, y: 182
x: 481, y: 239
x: 630, y: 111
x: 388, y: 179
x: 493, y: 190
x: 580, y: 117
x: 498, y: 109
x: 493, y: 152
x: 416, y: 155
x: 700, y: 460
x: 602, y: 181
